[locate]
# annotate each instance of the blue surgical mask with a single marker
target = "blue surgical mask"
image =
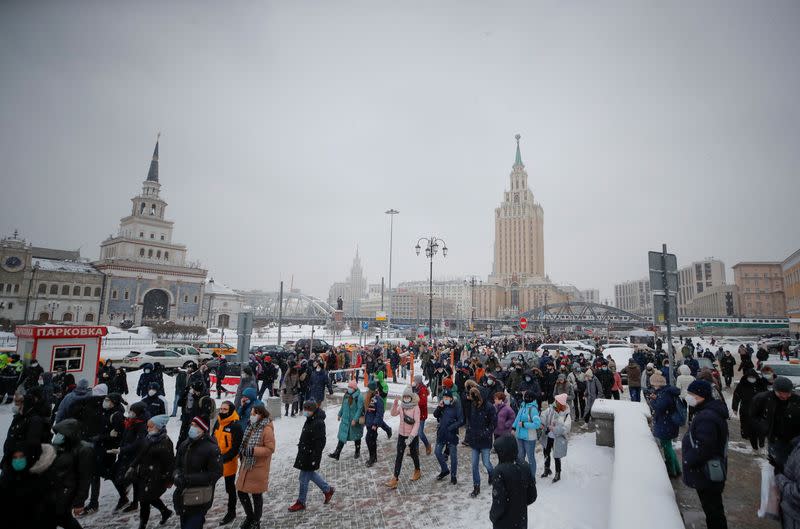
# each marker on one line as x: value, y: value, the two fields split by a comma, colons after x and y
x: 194, y: 432
x: 58, y: 439
x: 447, y: 402
x: 19, y: 464
x: 306, y: 413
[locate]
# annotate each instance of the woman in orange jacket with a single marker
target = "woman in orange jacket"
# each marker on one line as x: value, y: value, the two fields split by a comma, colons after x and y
x: 228, y: 433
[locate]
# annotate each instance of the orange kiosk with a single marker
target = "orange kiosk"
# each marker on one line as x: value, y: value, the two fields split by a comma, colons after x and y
x: 75, y: 348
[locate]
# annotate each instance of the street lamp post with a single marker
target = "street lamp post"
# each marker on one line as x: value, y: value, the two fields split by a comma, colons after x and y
x: 472, y: 283
x: 431, y: 249
x: 391, y: 213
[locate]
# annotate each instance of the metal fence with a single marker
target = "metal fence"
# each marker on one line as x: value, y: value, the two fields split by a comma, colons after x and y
x: 11, y: 341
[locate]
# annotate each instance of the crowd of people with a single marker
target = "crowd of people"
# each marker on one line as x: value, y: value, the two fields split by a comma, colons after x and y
x: 67, y: 437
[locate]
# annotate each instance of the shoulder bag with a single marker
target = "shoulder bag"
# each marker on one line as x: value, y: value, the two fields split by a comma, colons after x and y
x: 716, y: 468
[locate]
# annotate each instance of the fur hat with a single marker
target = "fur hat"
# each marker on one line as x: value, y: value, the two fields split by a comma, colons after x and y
x: 657, y: 380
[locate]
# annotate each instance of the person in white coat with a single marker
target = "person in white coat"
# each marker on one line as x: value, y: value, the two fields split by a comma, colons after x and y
x: 556, y: 424
x: 684, y: 379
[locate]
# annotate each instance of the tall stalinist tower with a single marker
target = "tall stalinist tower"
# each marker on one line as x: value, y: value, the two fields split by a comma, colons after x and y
x: 518, y: 232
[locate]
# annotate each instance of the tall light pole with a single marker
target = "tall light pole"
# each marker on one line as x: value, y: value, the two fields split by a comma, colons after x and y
x: 431, y: 249
x: 391, y: 213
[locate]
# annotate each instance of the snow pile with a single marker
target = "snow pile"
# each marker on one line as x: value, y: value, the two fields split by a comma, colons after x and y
x: 638, y: 462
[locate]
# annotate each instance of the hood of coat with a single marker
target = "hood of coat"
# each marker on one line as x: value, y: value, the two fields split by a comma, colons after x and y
x: 671, y: 390
x: 716, y: 406
x: 408, y: 392
x: 506, y: 448
x: 225, y: 421
x: 684, y: 370
x: 475, y: 397
x: 70, y: 429
x: 469, y: 384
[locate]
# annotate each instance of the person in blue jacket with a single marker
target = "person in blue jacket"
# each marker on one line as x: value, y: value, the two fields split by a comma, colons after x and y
x: 451, y: 418
x: 318, y: 382
x: 148, y: 375
x: 249, y: 397
x: 525, y: 427
x: 664, y: 405
x: 706, y: 439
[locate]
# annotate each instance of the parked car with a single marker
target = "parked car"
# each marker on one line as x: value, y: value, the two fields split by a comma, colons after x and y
x: 168, y: 358
x: 530, y: 358
x: 189, y: 352
x: 790, y: 370
x: 580, y: 345
x: 320, y: 346
x: 557, y: 348
x: 233, y: 368
x: 274, y: 351
x: 217, y: 348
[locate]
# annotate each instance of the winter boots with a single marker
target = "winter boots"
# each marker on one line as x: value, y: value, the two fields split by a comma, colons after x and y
x: 443, y: 474
x: 392, y: 483
x: 358, y: 450
x: 328, y: 495
x: 476, y: 489
x: 165, y: 514
x: 557, y: 477
x: 123, y: 501
x: 336, y: 453
x: 132, y: 506
x: 546, y: 472
x: 416, y: 475
x: 229, y: 517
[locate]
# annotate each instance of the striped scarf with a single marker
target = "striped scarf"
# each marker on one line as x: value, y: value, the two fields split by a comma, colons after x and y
x: 252, y: 438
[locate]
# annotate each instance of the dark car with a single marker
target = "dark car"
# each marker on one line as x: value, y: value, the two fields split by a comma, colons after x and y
x: 232, y: 368
x: 320, y: 346
x: 275, y: 351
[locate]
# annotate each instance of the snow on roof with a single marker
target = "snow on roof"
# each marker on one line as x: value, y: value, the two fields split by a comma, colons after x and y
x: 212, y: 287
x: 58, y: 265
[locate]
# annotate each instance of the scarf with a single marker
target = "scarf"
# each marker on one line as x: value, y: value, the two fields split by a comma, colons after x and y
x: 130, y: 423
x: 252, y: 439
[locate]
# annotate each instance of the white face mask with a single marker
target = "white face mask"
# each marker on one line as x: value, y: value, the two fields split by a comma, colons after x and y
x: 107, y: 404
x: 152, y: 392
x: 691, y: 400
x: 751, y: 380
x: 254, y: 419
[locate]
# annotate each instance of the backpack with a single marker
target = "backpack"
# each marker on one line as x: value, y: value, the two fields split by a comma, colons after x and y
x: 678, y: 416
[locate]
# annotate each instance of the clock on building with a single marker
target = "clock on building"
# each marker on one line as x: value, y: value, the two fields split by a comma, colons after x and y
x: 12, y: 263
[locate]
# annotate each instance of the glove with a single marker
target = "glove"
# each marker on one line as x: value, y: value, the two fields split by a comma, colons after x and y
x: 114, y: 433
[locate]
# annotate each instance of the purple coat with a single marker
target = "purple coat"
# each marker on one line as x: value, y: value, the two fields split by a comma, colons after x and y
x: 505, y: 419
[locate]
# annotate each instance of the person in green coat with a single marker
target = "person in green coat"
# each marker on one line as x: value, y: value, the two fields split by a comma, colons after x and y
x: 351, y: 427
x: 383, y: 390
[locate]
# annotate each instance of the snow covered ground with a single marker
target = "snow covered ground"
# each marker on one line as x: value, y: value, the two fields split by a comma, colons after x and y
x: 579, y: 501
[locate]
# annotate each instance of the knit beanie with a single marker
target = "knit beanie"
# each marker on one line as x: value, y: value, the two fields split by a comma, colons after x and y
x: 100, y: 390
x: 701, y: 388
x: 160, y: 421
x: 200, y: 423
x: 783, y: 384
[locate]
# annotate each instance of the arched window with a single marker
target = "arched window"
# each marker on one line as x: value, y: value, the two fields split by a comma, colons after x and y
x: 150, y: 253
x: 97, y: 292
x: 141, y: 210
x: 158, y: 254
x: 54, y: 290
x: 87, y: 291
x: 166, y: 256
x: 152, y: 209
x: 42, y: 288
x: 65, y: 290
x: 141, y: 252
x: 67, y: 316
x: 89, y: 317
x: 43, y: 317
x: 76, y: 291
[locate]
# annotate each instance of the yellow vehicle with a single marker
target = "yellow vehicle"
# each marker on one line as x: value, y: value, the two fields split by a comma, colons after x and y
x: 217, y: 348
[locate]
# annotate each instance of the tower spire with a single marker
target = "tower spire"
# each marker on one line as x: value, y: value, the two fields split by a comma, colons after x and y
x: 152, y: 174
x: 518, y: 160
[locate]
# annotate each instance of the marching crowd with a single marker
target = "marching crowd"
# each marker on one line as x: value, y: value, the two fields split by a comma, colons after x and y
x: 67, y: 437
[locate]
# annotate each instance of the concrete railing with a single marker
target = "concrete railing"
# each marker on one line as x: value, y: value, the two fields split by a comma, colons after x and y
x: 640, y: 487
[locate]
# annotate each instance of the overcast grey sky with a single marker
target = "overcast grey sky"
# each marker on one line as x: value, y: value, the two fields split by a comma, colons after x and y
x: 290, y: 127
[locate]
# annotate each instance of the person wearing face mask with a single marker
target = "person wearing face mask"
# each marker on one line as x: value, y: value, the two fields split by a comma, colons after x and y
x: 525, y: 427
x: 249, y: 397
x: 198, y: 466
x: 255, y: 455
x: 89, y: 414
x: 28, y: 429
x: 555, y: 427
x: 776, y: 415
x: 228, y: 433
x: 30, y: 374
x: 529, y: 384
x: 562, y: 386
x: 373, y: 418
x: 480, y: 427
x: 23, y: 479
x: 196, y: 403
x: 450, y: 417
x: 309, y: 455
x: 246, y: 381
x: 133, y: 438
x: 318, y: 383
x: 113, y: 425
x: 81, y: 391
x: 148, y: 375
x: 350, y: 421
x: 152, y: 470
x: 549, y: 378
x: 664, y: 405
x: 407, y: 433
x: 606, y: 379
x: 156, y: 404
x: 119, y: 382
x: 505, y: 415
x: 748, y: 387
x: 706, y: 440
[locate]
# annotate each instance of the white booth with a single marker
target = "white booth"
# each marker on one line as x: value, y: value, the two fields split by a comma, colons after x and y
x: 75, y: 348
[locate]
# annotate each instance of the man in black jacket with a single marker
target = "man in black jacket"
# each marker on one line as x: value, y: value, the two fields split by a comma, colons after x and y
x: 198, y: 464
x: 309, y: 454
x: 776, y: 415
x: 89, y: 414
x: 512, y: 487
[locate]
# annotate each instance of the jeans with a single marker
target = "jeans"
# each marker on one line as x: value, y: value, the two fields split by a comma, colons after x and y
x: 305, y: 477
x: 421, y: 433
x: 636, y: 394
x: 479, y: 454
x: 527, y: 449
x: 711, y: 500
x: 175, y: 404
x: 440, y: 457
x: 401, y: 449
x: 548, y: 448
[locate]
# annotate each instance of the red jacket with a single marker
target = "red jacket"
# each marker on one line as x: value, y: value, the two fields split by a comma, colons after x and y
x: 422, y: 391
